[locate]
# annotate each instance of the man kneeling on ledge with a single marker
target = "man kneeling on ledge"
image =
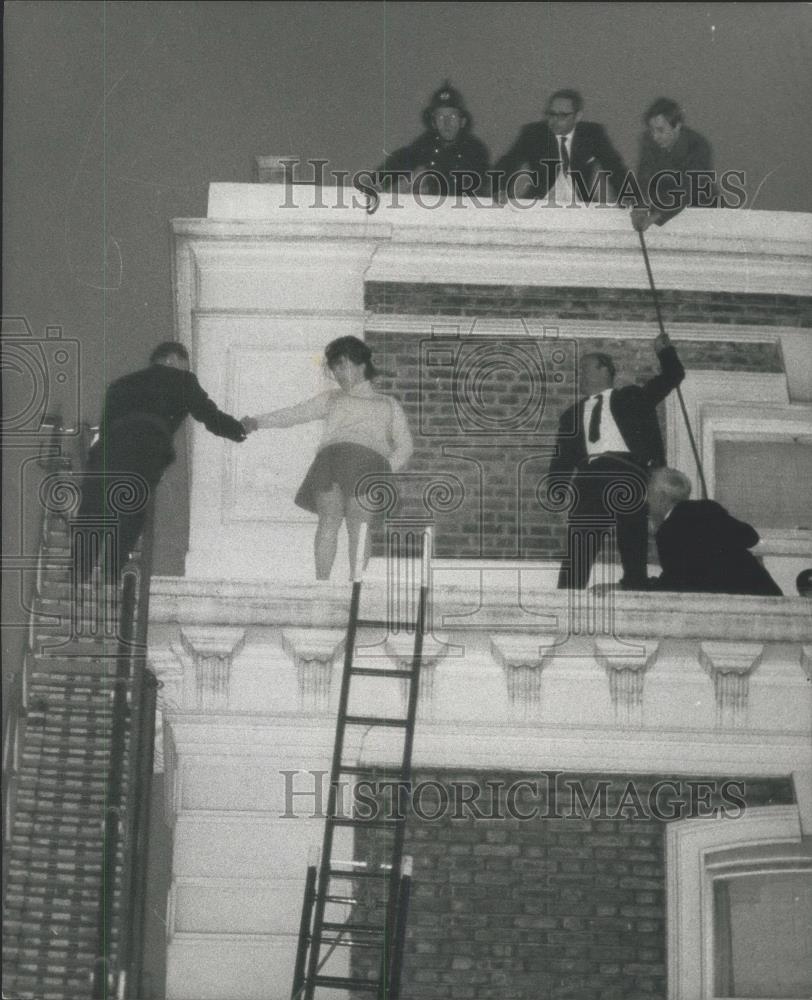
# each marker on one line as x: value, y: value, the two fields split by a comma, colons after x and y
x: 701, y: 547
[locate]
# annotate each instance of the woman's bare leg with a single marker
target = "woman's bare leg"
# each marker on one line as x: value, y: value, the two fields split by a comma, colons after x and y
x: 356, y: 516
x: 330, y: 508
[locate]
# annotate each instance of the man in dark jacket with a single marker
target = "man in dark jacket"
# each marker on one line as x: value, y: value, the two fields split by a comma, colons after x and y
x: 606, y: 444
x: 676, y: 167
x: 700, y: 546
x: 450, y: 158
x: 563, y: 154
x: 141, y: 413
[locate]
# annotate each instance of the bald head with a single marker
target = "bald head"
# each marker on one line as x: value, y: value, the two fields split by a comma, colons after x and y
x: 667, y: 487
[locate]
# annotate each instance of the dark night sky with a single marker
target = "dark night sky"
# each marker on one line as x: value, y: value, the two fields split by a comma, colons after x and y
x: 118, y: 115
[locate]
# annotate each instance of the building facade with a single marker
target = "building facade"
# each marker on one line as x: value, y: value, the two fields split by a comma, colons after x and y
x: 612, y: 792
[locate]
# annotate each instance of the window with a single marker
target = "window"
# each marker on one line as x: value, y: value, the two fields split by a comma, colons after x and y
x: 740, y: 907
x: 762, y: 932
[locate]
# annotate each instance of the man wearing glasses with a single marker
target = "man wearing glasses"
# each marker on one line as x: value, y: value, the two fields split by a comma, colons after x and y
x: 563, y: 158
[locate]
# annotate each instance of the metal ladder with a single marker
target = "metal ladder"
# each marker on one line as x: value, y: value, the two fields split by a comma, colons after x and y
x: 320, y: 931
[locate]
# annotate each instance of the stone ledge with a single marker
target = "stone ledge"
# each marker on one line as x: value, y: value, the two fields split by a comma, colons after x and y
x: 698, y: 616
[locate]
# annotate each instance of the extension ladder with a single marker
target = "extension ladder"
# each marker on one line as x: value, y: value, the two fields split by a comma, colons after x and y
x: 382, y: 884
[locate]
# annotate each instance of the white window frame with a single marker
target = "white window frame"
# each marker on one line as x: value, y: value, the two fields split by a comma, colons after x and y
x: 691, y: 846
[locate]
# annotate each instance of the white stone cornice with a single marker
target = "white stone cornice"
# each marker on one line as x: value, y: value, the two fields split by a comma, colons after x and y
x: 276, y: 602
x: 523, y: 656
x: 729, y: 665
x: 625, y: 669
x: 756, y: 252
x: 314, y: 653
x: 206, y: 654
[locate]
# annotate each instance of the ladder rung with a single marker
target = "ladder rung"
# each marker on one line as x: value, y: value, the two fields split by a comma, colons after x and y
x: 369, y: 769
x: 358, y: 874
x: 374, y: 720
x: 348, y: 942
x: 346, y: 983
x: 385, y: 623
x: 331, y: 925
x: 379, y: 672
x: 349, y: 821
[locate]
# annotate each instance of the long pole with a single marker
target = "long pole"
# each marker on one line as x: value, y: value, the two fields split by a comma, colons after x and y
x: 699, y: 469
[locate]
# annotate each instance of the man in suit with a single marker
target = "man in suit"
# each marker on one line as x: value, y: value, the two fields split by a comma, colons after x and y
x: 606, y: 444
x: 564, y: 155
x: 141, y: 413
x: 452, y: 160
x: 700, y: 546
x: 675, y: 169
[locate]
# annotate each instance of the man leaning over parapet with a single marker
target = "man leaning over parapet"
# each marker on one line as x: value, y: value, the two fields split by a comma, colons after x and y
x: 676, y: 167
x: 563, y: 157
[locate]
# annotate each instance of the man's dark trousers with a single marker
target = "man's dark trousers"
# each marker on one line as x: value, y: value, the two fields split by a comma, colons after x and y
x: 610, y: 491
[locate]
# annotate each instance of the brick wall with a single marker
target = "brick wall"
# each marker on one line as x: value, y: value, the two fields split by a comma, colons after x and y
x: 563, y: 905
x: 484, y: 415
x: 557, y: 302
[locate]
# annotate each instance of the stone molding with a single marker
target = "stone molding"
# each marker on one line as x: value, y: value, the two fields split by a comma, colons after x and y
x: 728, y: 617
x: 626, y: 670
x: 714, y: 250
x: 314, y: 652
x: 690, y: 847
x: 729, y: 666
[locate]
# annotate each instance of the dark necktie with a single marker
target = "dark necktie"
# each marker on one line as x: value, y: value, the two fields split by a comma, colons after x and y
x: 565, y: 156
x: 595, y: 420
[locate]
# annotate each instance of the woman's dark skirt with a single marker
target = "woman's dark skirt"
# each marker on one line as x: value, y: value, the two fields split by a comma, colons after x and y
x: 345, y: 466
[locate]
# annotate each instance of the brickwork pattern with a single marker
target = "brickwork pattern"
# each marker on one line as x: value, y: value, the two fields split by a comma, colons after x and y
x: 485, y: 418
x: 569, y: 906
x: 559, y: 302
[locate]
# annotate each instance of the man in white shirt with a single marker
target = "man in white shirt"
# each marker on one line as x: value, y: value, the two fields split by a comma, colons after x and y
x: 606, y: 445
x: 568, y: 158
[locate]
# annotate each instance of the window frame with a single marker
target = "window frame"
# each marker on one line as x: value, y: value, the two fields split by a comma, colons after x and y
x: 694, y: 861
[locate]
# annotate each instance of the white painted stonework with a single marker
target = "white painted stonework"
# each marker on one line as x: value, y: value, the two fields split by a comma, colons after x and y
x: 516, y: 677
x: 274, y: 273
x: 240, y: 777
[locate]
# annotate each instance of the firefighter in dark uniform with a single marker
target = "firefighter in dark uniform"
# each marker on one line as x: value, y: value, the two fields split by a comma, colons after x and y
x: 446, y: 158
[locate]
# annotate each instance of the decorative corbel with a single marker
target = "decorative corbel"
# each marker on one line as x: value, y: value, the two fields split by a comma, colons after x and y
x: 207, y: 654
x: 168, y: 669
x: 729, y: 665
x: 806, y: 660
x: 523, y: 656
x: 626, y: 670
x: 313, y: 652
x: 401, y: 650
